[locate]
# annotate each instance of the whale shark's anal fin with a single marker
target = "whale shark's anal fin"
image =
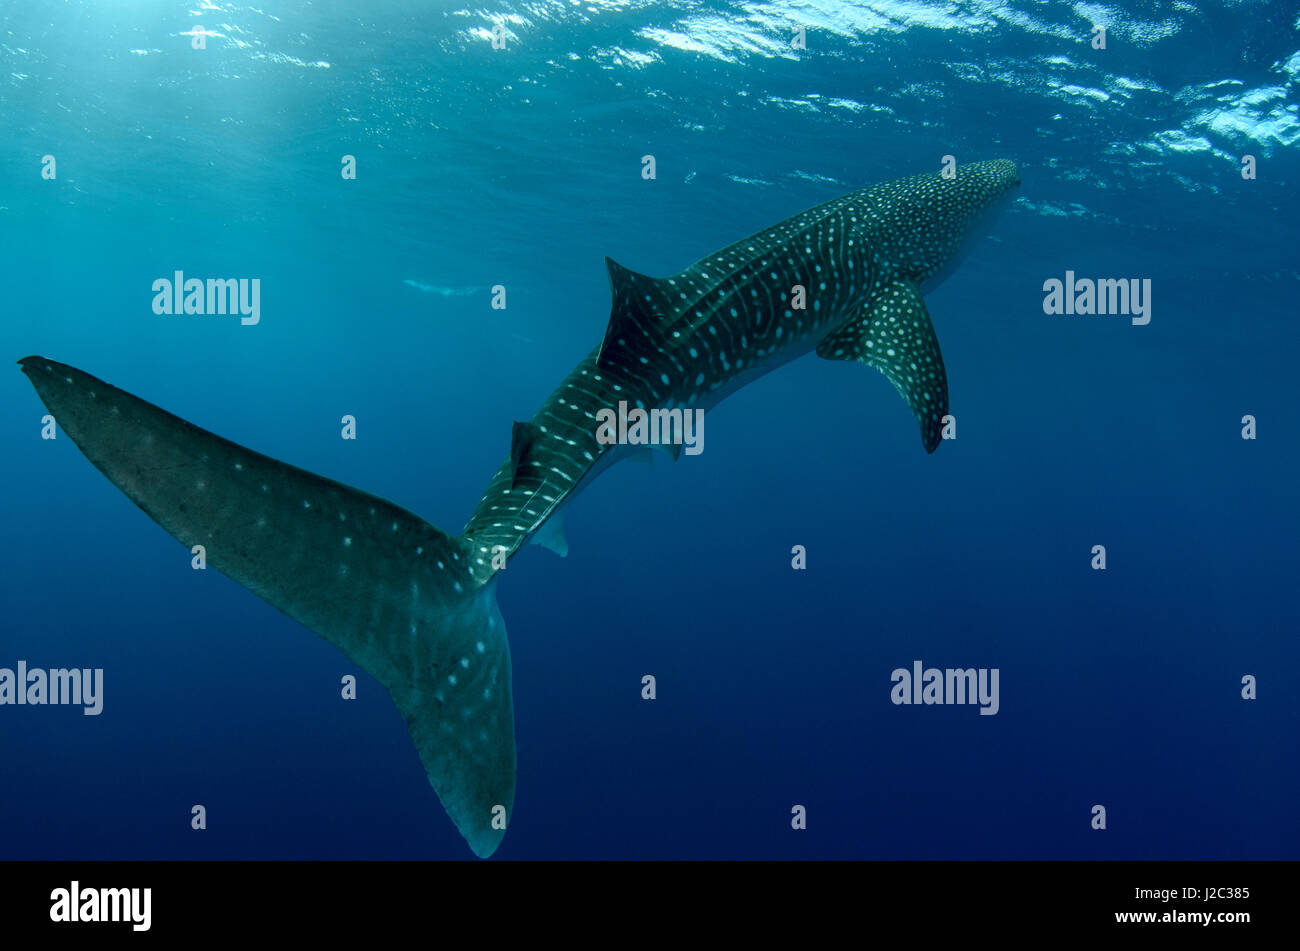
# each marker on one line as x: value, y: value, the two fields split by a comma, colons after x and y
x: 391, y: 591
x: 639, y: 306
x: 895, y: 335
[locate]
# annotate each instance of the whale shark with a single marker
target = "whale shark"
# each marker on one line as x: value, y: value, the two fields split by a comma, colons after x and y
x: 415, y: 607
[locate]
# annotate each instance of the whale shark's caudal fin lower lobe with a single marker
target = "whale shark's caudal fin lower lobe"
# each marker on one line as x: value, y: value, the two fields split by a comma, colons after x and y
x: 388, y: 589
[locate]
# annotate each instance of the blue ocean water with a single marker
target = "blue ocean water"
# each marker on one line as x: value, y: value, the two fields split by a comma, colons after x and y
x: 522, y: 167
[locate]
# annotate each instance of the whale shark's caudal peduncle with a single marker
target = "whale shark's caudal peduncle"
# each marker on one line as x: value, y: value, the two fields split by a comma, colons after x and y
x: 415, y: 607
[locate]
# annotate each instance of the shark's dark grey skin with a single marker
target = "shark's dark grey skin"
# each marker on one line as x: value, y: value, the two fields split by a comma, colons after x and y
x: 416, y: 608
x: 693, y: 338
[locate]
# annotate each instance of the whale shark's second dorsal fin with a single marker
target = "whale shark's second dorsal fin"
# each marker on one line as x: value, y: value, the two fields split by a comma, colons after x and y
x: 896, y: 337
x: 637, y: 314
x: 522, y: 438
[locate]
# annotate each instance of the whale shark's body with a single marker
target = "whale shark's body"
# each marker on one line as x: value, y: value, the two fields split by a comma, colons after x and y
x: 415, y: 607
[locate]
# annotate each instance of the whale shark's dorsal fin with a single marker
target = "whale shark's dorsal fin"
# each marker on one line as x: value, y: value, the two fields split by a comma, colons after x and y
x: 895, y: 336
x: 637, y: 314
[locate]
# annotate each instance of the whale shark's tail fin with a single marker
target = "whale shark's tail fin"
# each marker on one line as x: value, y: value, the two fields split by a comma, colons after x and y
x: 391, y: 591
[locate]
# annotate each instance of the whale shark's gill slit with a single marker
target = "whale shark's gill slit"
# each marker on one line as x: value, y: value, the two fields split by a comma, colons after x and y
x: 367, y: 610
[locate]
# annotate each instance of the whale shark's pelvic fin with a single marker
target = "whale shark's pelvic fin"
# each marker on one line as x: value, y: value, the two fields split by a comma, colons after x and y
x: 551, y: 535
x: 895, y: 336
x: 388, y: 589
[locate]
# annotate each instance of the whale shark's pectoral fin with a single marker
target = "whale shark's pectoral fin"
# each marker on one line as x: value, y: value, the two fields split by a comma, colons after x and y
x: 896, y: 337
x: 638, y: 305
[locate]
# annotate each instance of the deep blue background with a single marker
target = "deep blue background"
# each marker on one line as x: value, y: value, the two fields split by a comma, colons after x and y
x: 522, y: 167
